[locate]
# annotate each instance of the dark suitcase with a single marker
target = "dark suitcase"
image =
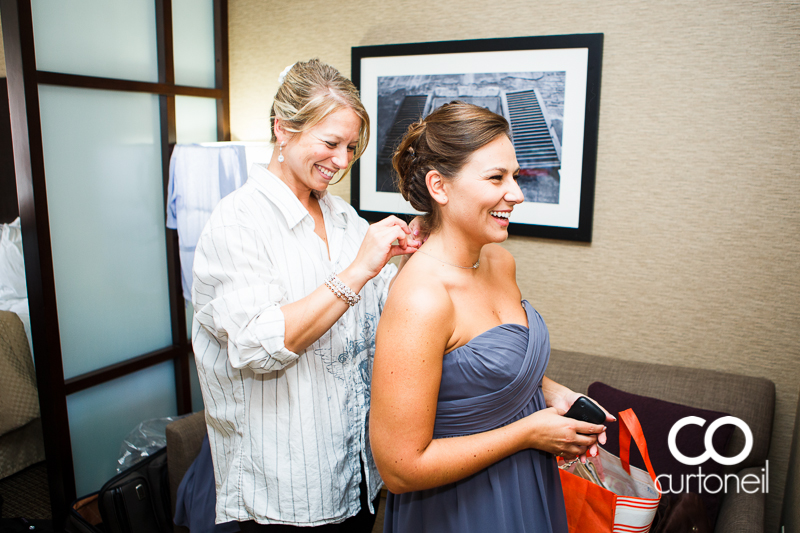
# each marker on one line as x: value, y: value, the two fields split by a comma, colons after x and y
x: 137, y: 500
x: 134, y: 501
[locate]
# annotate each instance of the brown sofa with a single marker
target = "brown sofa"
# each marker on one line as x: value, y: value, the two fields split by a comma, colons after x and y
x: 748, y: 398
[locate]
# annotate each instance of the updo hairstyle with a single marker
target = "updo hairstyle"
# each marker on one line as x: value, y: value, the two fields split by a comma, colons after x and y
x: 443, y: 141
x: 309, y: 93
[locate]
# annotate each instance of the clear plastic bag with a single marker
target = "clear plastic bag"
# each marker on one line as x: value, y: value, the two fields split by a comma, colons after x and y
x: 145, y: 439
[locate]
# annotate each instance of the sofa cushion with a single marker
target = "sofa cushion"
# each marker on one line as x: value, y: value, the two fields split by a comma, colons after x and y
x: 657, y: 418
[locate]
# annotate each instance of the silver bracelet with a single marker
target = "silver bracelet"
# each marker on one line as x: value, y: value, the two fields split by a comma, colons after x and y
x: 341, y: 290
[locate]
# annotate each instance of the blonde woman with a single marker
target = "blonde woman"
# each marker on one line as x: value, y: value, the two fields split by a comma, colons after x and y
x: 288, y: 286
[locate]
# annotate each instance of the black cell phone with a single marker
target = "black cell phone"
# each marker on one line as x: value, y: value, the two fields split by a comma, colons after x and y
x: 586, y: 410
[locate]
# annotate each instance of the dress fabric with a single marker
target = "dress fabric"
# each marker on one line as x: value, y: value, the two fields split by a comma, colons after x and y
x: 493, y: 380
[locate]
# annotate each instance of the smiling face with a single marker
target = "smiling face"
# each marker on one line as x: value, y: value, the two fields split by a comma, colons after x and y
x: 481, y: 198
x: 313, y: 157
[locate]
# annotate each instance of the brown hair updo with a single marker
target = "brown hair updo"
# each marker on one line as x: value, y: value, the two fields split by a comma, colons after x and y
x: 309, y: 93
x: 443, y: 141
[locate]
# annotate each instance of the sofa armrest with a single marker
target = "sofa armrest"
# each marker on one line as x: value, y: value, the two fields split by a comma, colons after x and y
x: 741, y: 512
x: 184, y: 440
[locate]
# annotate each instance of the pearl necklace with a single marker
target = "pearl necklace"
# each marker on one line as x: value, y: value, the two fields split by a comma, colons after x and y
x: 476, y: 265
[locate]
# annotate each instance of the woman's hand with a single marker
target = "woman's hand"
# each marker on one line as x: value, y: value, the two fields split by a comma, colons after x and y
x: 565, y: 437
x: 417, y: 230
x: 378, y: 247
x: 562, y: 404
x: 419, y: 235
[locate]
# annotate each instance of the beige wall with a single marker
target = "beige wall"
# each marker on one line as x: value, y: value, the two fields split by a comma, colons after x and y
x: 696, y: 245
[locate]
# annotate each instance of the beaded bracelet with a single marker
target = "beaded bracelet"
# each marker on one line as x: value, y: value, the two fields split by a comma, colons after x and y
x: 341, y: 290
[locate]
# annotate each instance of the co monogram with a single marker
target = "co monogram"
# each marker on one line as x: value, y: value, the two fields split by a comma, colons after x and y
x: 710, y: 451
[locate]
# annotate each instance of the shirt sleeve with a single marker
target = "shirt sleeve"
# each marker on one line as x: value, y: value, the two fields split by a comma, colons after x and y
x: 237, y: 295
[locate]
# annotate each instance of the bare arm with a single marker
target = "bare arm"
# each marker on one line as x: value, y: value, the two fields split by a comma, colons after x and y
x: 405, y: 386
x: 307, y: 319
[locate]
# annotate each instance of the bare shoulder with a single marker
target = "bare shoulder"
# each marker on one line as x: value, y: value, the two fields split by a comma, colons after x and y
x: 502, y: 271
x: 499, y: 258
x: 418, y: 300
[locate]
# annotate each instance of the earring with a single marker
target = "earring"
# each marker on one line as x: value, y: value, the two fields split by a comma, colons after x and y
x: 280, y: 155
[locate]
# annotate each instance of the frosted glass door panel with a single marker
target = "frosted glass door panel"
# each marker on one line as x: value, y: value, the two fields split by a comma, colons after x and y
x: 193, y: 42
x: 105, y: 200
x: 96, y: 38
x: 195, y: 119
x: 101, y: 417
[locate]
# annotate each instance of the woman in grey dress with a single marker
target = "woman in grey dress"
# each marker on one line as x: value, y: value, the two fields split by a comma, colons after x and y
x: 464, y: 426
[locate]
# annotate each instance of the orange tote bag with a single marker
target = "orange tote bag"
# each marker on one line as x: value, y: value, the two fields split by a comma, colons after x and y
x: 631, y: 503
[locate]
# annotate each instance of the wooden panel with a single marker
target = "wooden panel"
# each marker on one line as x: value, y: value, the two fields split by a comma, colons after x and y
x: 8, y: 185
x: 23, y: 94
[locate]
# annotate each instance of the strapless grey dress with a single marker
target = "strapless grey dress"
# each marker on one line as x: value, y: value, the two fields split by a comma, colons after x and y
x: 493, y: 380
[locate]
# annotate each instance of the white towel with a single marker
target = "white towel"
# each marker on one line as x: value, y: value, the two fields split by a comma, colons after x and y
x: 199, y: 177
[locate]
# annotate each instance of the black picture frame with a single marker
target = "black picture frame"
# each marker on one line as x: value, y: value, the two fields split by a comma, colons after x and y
x: 555, y: 76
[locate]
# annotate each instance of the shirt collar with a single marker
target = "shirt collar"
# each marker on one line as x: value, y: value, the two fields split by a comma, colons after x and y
x: 336, y: 209
x: 285, y: 200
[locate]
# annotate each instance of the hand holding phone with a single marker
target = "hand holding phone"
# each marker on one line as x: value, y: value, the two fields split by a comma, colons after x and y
x: 586, y: 410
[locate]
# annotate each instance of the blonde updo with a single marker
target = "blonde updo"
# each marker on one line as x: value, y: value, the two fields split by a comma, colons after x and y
x: 443, y: 141
x: 310, y: 92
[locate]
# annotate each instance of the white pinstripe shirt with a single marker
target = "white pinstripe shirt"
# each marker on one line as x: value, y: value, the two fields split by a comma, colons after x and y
x: 288, y: 431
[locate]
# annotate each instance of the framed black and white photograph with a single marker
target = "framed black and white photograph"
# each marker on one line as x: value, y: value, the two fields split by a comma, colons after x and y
x: 548, y: 88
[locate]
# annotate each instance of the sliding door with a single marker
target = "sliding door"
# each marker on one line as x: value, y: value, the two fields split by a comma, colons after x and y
x: 99, y: 94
